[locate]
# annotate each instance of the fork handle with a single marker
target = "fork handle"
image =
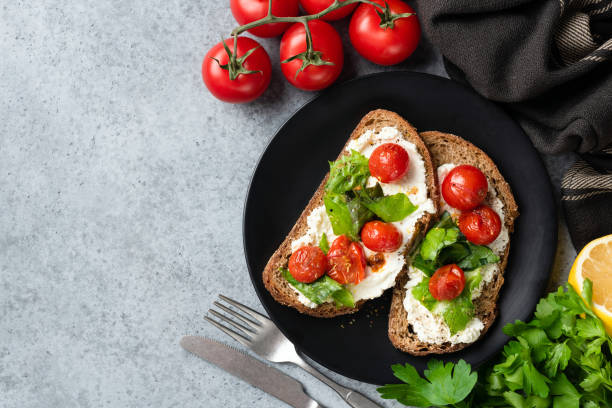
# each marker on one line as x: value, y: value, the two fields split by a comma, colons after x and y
x: 353, y: 398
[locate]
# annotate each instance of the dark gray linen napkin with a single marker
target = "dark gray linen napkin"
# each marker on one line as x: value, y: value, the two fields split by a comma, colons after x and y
x: 549, y: 63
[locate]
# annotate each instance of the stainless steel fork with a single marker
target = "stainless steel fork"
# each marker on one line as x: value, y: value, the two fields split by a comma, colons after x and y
x: 261, y: 335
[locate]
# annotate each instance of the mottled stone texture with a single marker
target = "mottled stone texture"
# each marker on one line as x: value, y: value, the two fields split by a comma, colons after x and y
x: 122, y: 184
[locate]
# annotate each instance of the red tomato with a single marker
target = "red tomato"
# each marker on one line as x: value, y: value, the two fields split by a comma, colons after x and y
x: 389, y: 162
x: 315, y: 6
x: 245, y: 87
x: 381, y: 236
x: 464, y: 187
x: 326, y: 40
x: 384, y: 46
x: 246, y: 11
x: 481, y: 225
x: 447, y: 282
x: 347, y: 261
x: 308, y: 264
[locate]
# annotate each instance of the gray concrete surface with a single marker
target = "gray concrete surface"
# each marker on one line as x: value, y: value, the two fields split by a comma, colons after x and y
x: 121, y: 190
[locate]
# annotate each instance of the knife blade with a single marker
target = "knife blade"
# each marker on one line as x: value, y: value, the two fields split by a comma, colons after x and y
x: 251, y: 370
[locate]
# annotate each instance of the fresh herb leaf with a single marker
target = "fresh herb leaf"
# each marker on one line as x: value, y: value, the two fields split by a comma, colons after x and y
x: 389, y: 208
x: 427, y: 267
x: 436, y: 239
x: 322, y: 290
x: 347, y: 173
x: 587, y: 291
x: 443, y: 385
x: 478, y: 255
x: 422, y: 294
x: 458, y: 312
x: 346, y: 215
x: 324, y: 244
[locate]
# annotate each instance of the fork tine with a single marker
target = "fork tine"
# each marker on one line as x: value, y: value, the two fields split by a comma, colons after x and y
x: 256, y: 315
x: 236, y: 336
x: 237, y: 325
x: 249, y: 322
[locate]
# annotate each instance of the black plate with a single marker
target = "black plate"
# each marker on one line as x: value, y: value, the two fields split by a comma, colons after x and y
x: 295, y: 161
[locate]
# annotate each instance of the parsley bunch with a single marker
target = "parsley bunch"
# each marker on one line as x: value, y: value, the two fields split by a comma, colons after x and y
x: 562, y: 358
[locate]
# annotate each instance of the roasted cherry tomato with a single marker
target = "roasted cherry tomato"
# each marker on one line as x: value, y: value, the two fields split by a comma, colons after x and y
x: 389, y: 162
x: 246, y: 11
x: 315, y: 6
x: 381, y: 236
x: 464, y: 187
x: 447, y: 282
x: 245, y: 87
x: 308, y: 264
x: 384, y: 43
x: 481, y: 225
x: 347, y: 262
x: 326, y: 40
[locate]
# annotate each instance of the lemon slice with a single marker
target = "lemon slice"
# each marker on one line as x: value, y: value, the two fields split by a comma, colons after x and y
x: 595, y: 263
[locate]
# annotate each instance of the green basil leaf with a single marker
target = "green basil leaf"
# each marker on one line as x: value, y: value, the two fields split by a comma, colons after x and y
x: 479, y: 255
x: 453, y: 254
x: 458, y: 312
x: 427, y: 267
x: 422, y: 294
x: 324, y: 244
x: 389, y: 208
x: 346, y: 215
x: 347, y: 173
x: 436, y: 239
x: 321, y: 290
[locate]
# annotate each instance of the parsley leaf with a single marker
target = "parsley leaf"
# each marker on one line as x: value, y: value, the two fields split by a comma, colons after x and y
x: 444, y: 384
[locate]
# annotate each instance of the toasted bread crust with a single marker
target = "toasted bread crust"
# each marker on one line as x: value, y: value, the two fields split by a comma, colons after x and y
x: 278, y: 287
x: 447, y: 148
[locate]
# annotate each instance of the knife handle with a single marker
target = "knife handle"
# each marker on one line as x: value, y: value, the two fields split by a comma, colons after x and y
x: 353, y: 398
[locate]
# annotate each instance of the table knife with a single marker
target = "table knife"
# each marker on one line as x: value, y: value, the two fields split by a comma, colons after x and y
x: 251, y: 370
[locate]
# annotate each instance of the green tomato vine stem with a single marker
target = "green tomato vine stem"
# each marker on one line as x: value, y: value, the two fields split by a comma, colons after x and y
x: 310, y: 56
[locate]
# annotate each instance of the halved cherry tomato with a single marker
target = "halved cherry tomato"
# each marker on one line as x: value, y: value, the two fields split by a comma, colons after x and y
x: 246, y: 11
x: 381, y: 236
x: 447, y: 282
x: 389, y: 162
x: 308, y: 264
x: 481, y: 225
x: 464, y: 187
x: 315, y: 6
x: 347, y: 261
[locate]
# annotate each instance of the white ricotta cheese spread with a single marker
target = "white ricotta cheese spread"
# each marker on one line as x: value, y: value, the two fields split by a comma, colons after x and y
x: 429, y: 327
x: 413, y: 184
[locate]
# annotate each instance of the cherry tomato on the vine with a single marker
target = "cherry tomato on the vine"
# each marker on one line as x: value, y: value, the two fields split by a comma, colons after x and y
x: 246, y: 11
x: 246, y: 86
x: 384, y: 42
x: 381, y: 236
x: 315, y: 6
x: 481, y: 225
x: 464, y: 187
x: 347, y: 262
x: 447, y: 282
x: 328, y: 53
x: 389, y: 162
x: 308, y: 264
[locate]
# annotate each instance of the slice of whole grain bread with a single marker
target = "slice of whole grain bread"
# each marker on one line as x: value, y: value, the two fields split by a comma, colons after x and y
x: 447, y: 148
x: 278, y: 286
